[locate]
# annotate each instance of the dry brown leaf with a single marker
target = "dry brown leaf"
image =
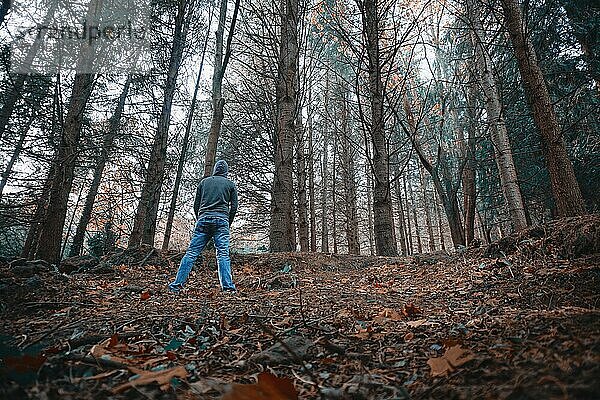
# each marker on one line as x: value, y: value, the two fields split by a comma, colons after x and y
x: 409, y: 336
x: 454, y: 357
x: 458, y: 356
x: 163, y: 378
x: 387, y: 314
x: 410, y: 310
x: 439, y: 366
x: 414, y: 324
x: 268, y: 387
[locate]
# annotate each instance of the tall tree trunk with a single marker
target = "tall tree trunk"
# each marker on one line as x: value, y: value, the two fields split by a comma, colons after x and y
x: 184, y: 146
x: 468, y: 173
x: 498, y: 132
x: 144, y: 227
x: 311, y: 186
x: 33, y: 233
x: 50, y: 239
x: 409, y: 235
x: 107, y: 145
x: 565, y: 189
x: 401, y: 218
x: 218, y: 102
x: 385, y: 242
x: 301, y: 178
x: 370, y: 209
x: 426, y: 204
x: 333, y: 194
x: 413, y: 208
x: 348, y: 181
x: 281, y: 232
x: 440, y: 225
x: 324, y: 181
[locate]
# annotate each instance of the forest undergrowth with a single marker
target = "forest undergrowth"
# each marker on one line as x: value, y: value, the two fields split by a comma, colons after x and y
x: 515, y: 320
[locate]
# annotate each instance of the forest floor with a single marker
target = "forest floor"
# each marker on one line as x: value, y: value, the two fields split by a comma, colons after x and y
x: 516, y: 320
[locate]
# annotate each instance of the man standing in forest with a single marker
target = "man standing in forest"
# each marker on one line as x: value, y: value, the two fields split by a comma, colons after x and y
x: 215, y: 206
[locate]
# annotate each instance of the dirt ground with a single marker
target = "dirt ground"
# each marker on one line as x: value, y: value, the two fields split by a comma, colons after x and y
x: 439, y: 326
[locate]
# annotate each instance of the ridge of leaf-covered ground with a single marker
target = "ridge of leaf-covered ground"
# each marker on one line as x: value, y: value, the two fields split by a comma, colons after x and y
x: 520, y: 323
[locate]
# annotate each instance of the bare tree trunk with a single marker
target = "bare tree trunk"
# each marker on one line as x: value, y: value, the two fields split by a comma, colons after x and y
x: 401, y: 218
x: 218, y: 102
x: 409, y: 224
x: 468, y: 174
x: 311, y: 187
x: 498, y: 132
x: 565, y: 189
x: 413, y: 208
x: 426, y: 204
x: 281, y: 233
x: 144, y: 227
x: 440, y: 225
x: 385, y: 242
x: 31, y: 240
x: 370, y: 209
x: 324, y: 180
x: 184, y: 147
x: 50, y: 239
x: 301, y: 178
x: 333, y: 195
x: 107, y: 144
x: 349, y: 182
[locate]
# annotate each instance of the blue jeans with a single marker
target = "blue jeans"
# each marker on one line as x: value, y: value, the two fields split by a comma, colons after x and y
x: 207, y: 228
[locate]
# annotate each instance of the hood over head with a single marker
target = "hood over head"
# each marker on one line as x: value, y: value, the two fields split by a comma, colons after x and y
x: 221, y: 168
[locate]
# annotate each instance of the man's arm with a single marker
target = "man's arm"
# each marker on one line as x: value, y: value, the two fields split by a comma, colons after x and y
x: 233, y: 206
x: 198, y: 199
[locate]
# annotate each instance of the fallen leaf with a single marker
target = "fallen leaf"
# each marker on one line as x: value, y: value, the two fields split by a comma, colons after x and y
x: 409, y: 336
x: 458, y: 356
x: 410, y: 310
x: 145, y: 295
x: 268, y: 387
x: 454, y: 357
x: 414, y: 324
x: 163, y: 378
x: 439, y: 366
x: 387, y: 314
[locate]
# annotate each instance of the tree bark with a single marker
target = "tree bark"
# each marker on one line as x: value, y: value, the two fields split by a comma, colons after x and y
x: 385, y: 242
x: 324, y: 181
x: 498, y: 131
x: 348, y: 181
x: 184, y: 146
x: 218, y: 102
x: 107, y: 145
x: 281, y: 232
x: 50, y: 239
x: 565, y: 189
x: 144, y: 227
x: 426, y: 204
x: 301, y: 178
x: 311, y: 187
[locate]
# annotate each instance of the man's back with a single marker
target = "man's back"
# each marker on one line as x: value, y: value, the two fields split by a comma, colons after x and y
x: 216, y: 195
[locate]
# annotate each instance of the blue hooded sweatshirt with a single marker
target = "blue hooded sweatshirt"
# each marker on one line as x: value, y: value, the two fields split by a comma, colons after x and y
x: 216, y: 195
